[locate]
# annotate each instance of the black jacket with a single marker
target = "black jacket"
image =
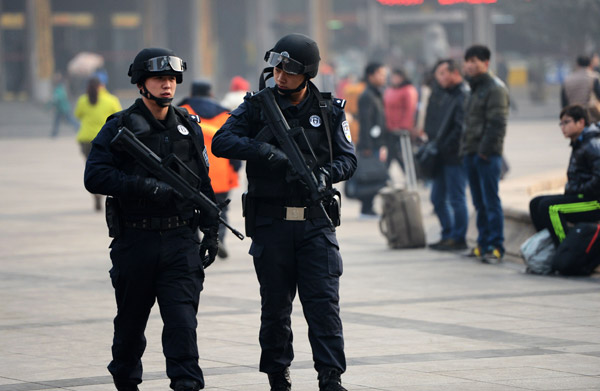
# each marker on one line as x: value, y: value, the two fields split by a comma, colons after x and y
x: 449, y: 144
x: 584, y: 166
x: 486, y: 116
x: 371, y: 114
x: 235, y: 140
x: 116, y: 173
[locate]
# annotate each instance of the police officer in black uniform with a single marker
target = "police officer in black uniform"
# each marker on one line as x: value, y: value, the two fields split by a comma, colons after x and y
x: 155, y: 251
x: 292, y: 245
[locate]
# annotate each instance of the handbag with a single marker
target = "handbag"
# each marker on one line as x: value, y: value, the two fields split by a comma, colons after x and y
x: 370, y: 176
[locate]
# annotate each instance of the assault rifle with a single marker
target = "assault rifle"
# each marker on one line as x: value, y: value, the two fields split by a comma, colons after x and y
x: 278, y: 128
x: 162, y: 169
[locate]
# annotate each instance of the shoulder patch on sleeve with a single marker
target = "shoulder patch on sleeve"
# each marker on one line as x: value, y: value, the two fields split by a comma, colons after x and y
x: 346, y: 129
x: 341, y: 103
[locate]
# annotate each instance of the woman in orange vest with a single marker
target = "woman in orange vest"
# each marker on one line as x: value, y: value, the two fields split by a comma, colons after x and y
x: 223, y: 172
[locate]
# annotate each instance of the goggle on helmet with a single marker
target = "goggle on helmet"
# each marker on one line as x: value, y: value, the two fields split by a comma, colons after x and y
x: 165, y: 63
x: 284, y: 61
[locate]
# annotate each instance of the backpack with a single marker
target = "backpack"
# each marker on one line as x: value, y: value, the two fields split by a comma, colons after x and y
x: 579, y: 253
x: 538, y: 252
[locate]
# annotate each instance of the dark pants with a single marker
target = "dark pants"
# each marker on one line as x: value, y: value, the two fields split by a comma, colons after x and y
x: 450, y: 202
x: 303, y: 255
x: 555, y: 211
x: 484, y: 176
x: 149, y: 266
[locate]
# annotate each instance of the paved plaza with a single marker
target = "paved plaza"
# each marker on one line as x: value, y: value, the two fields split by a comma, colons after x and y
x: 413, y: 319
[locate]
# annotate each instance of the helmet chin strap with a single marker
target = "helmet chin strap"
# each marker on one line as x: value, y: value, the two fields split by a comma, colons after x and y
x: 290, y: 92
x: 162, y: 102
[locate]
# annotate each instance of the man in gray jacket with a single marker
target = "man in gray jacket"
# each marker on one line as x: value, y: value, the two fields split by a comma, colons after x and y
x: 481, y: 146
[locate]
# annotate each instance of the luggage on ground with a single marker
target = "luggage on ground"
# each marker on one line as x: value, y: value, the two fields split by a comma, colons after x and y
x: 401, y: 220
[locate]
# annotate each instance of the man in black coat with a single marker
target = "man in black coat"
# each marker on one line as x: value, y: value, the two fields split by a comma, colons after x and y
x: 448, y: 190
x: 580, y: 201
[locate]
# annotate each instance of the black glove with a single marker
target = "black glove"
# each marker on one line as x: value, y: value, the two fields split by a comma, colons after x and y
x: 156, y: 190
x: 274, y: 156
x: 209, y: 245
x: 323, y: 177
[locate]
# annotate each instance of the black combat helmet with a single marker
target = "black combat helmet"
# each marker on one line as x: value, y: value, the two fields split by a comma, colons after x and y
x: 156, y: 62
x: 296, y: 54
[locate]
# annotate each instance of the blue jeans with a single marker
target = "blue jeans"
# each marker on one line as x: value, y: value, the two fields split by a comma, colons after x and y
x: 450, y: 202
x: 484, y: 176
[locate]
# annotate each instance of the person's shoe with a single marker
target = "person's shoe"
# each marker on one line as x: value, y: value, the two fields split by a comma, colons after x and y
x: 280, y: 381
x: 492, y: 256
x: 187, y: 385
x: 456, y: 245
x: 222, y: 251
x: 330, y: 380
x: 441, y: 245
x: 475, y: 252
x: 125, y: 386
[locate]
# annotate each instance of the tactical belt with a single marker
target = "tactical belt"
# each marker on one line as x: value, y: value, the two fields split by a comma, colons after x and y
x: 158, y: 223
x: 291, y: 213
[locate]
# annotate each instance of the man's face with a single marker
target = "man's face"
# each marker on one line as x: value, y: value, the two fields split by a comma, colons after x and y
x: 571, y: 128
x: 442, y: 75
x: 162, y: 86
x: 379, y: 77
x: 475, y: 67
x: 287, y: 81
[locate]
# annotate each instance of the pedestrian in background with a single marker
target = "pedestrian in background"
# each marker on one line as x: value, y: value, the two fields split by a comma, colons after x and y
x: 223, y: 172
x: 238, y: 88
x: 583, y: 87
x: 448, y: 188
x: 579, y: 203
x: 400, y: 101
x: 372, y: 131
x: 92, y: 109
x: 482, y: 145
x: 62, y: 106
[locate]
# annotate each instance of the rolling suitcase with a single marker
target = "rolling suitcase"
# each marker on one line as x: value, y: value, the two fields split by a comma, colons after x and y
x: 401, y: 220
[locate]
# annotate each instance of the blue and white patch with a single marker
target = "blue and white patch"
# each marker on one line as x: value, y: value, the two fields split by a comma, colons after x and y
x: 346, y: 129
x: 183, y: 130
x: 315, y: 120
x: 205, y: 155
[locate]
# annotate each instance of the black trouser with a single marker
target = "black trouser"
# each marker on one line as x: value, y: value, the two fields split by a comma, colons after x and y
x: 555, y: 211
x: 149, y: 266
x: 303, y: 255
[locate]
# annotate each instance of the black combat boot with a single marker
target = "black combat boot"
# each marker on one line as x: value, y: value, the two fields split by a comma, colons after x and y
x: 187, y: 385
x: 280, y: 381
x: 125, y: 387
x: 330, y: 380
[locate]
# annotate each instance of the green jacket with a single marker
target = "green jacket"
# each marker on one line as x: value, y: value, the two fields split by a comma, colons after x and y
x: 486, y: 116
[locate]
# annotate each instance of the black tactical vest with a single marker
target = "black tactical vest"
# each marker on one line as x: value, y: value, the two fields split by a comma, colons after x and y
x: 173, y: 135
x: 264, y: 182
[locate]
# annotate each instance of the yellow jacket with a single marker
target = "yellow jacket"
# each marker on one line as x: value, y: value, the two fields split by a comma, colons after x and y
x: 93, y: 117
